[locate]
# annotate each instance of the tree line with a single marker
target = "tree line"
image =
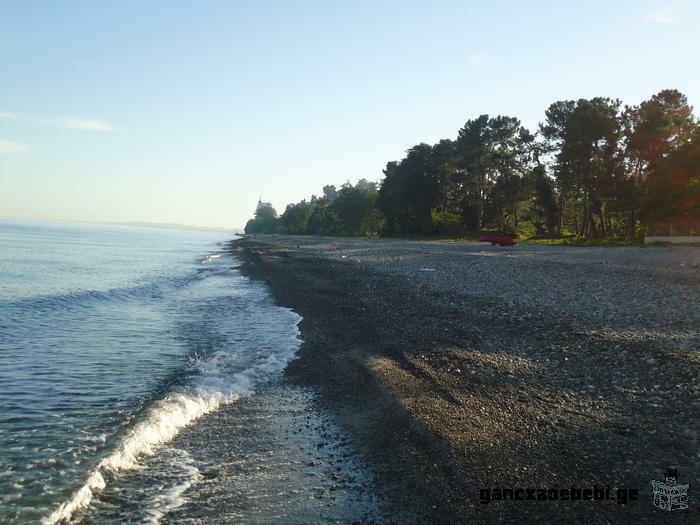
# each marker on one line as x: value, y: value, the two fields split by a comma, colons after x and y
x: 594, y: 168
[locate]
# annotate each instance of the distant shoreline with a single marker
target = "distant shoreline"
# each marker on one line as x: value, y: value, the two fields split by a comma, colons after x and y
x: 135, y: 224
x: 462, y: 366
x: 168, y: 226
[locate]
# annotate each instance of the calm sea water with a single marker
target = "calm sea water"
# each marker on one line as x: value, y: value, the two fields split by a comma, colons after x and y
x: 112, y: 339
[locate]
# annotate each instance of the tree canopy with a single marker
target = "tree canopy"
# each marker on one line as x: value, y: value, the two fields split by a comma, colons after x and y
x: 593, y: 168
x: 264, y: 220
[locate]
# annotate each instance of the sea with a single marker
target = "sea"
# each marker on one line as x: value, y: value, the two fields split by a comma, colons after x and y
x: 113, y: 339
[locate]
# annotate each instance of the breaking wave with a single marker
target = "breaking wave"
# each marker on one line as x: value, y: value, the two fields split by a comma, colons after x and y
x: 214, y: 383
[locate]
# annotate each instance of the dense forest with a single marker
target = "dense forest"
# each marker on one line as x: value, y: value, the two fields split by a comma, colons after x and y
x: 593, y: 169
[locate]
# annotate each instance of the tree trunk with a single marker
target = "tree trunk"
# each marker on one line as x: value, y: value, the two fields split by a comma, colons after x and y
x: 562, y: 205
x: 480, y: 213
x: 631, y: 222
x: 600, y: 212
x: 593, y: 228
x: 585, y: 218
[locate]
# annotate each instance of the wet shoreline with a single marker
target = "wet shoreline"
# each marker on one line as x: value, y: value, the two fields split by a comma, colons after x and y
x: 277, y: 457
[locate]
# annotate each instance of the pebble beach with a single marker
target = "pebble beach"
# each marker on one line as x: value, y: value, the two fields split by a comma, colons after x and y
x: 462, y: 366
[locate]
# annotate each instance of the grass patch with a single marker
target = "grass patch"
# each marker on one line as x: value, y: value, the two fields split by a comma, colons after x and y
x: 567, y: 240
x: 582, y: 241
x: 439, y: 238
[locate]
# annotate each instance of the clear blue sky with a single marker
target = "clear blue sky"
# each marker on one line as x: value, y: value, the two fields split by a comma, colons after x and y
x: 186, y: 112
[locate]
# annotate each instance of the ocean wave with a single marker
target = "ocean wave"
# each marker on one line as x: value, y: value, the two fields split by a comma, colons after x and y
x: 214, y: 384
x: 89, y: 298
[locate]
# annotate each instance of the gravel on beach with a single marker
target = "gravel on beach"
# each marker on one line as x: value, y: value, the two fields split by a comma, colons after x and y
x: 463, y: 366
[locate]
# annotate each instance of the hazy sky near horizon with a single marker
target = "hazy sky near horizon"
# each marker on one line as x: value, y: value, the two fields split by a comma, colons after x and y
x: 173, y: 111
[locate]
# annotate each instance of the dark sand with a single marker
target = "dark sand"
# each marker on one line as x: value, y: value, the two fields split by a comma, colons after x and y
x: 457, y: 367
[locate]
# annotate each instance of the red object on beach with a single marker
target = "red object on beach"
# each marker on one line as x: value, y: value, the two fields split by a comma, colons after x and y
x: 503, y: 241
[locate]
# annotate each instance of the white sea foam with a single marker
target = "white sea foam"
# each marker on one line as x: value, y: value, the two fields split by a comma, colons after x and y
x: 172, y: 498
x: 214, y: 385
x: 209, y: 258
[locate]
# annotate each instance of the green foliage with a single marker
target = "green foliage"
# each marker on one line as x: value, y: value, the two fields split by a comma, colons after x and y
x: 543, y: 211
x: 409, y: 191
x: 671, y: 196
x: 593, y: 171
x: 446, y: 222
x: 351, y: 211
x: 323, y: 219
x: 654, y: 131
x: 492, y: 155
x: 355, y: 207
x: 295, y: 219
x: 575, y: 240
x: 265, y: 220
x: 585, y: 135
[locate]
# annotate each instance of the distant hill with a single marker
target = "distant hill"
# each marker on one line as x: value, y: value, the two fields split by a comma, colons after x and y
x: 174, y: 226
